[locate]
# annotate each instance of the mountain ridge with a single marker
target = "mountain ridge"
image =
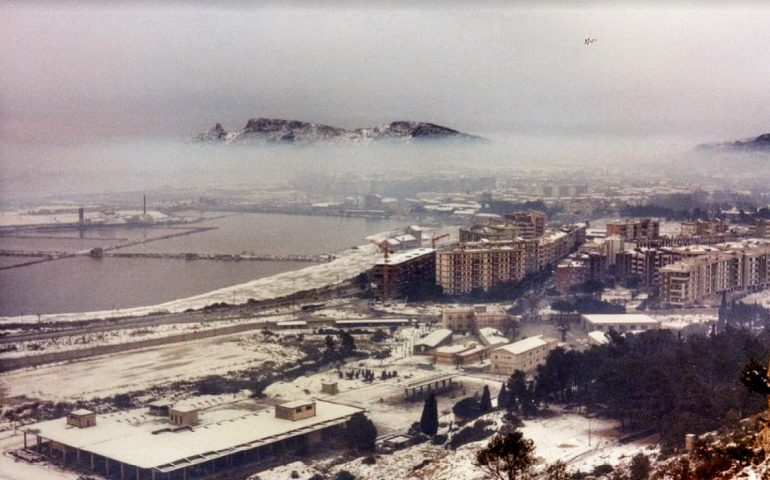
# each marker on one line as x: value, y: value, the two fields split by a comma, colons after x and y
x: 756, y: 144
x: 279, y: 131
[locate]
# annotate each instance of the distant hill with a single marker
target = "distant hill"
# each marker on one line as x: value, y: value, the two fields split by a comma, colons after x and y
x: 272, y: 131
x: 758, y: 144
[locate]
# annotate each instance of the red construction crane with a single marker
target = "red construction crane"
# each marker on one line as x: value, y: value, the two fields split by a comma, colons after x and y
x: 436, y: 238
x: 384, y: 247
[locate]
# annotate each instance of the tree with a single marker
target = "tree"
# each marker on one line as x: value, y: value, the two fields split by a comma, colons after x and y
x: 429, y: 418
x: 329, y: 344
x: 507, y: 457
x: 522, y: 395
x: 640, y: 467
x: 347, y: 343
x: 511, y: 328
x: 467, y: 408
x: 503, y: 398
x: 486, y: 402
x: 557, y: 471
x: 362, y: 433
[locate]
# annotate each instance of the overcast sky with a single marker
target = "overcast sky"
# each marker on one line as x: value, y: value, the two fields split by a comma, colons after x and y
x: 100, y: 69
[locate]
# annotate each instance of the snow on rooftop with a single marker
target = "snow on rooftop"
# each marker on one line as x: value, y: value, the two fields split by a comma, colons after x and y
x: 456, y: 349
x: 492, y: 337
x: 400, y: 257
x: 296, y: 403
x: 624, y: 318
x: 598, y: 337
x: 435, y: 337
x: 81, y: 412
x: 523, y: 346
x: 134, y: 443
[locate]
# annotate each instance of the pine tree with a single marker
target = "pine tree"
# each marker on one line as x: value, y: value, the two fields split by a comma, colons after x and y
x: 362, y: 433
x: 503, y: 398
x: 507, y: 457
x: 429, y: 418
x: 486, y: 402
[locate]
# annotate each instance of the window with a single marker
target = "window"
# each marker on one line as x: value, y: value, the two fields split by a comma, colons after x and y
x: 298, y: 410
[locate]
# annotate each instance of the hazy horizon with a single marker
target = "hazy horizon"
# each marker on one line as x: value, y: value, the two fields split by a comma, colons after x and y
x: 83, y: 71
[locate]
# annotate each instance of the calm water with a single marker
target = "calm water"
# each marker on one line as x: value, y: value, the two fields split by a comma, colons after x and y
x: 86, y: 284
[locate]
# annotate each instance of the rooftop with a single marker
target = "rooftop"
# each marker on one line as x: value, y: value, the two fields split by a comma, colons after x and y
x: 523, y: 346
x: 624, y: 318
x: 81, y: 412
x: 132, y: 438
x: 402, y: 257
x: 435, y: 337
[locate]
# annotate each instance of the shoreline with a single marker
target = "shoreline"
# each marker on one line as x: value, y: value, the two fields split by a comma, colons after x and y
x: 345, y: 266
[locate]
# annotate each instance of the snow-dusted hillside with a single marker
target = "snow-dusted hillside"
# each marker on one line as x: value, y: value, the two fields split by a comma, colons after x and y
x: 270, y: 130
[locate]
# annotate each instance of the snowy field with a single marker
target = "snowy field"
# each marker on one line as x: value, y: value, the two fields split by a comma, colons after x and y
x: 679, y: 321
x: 129, y: 335
x: 137, y: 370
x: 347, y: 265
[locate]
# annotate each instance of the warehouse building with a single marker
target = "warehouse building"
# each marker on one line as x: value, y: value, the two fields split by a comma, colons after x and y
x: 195, y: 439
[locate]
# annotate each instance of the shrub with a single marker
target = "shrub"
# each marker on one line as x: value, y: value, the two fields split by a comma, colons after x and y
x: 344, y: 475
x: 603, y: 469
x: 467, y: 408
x: 479, y: 430
x: 439, y: 439
x: 370, y: 460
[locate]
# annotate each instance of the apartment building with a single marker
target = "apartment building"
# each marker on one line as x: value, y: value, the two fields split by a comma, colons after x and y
x: 480, y: 265
x: 699, y: 227
x: 518, y: 225
x: 646, y: 229
x: 730, y: 267
x: 392, y: 277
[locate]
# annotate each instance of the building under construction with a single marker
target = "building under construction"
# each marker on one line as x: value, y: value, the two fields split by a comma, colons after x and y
x: 395, y: 274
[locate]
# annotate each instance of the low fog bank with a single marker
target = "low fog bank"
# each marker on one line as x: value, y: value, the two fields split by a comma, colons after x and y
x: 32, y: 170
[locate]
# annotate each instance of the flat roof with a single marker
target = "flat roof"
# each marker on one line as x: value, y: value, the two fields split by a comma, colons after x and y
x: 184, y: 408
x: 296, y: 403
x: 624, y: 318
x: 437, y: 377
x: 401, y: 257
x: 146, y: 441
x: 81, y: 412
x: 383, y: 321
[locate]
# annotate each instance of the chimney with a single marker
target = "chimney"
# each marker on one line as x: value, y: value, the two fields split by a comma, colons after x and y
x: 144, y: 200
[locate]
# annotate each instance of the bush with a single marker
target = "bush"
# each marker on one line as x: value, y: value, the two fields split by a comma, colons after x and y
x: 370, y: 460
x: 344, y: 475
x: 603, y: 469
x: 439, y: 439
x: 473, y: 433
x: 361, y: 433
x: 467, y: 408
x: 294, y: 474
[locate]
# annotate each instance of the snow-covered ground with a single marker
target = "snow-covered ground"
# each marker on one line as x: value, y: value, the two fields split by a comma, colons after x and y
x: 13, y: 469
x: 140, y: 369
x: 562, y: 437
x: 347, y: 265
x: 114, y: 337
x: 679, y: 321
x: 761, y: 298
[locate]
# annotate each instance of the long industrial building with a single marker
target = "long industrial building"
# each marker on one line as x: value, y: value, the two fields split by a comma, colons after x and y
x: 184, y: 440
